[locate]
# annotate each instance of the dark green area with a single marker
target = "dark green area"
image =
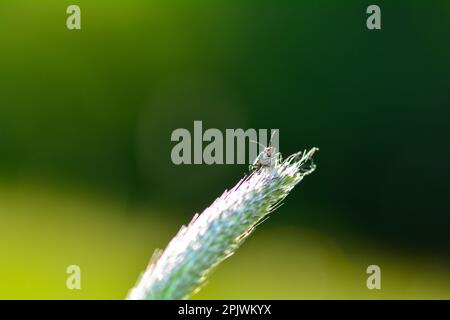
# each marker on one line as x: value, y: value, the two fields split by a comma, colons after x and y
x: 96, y: 107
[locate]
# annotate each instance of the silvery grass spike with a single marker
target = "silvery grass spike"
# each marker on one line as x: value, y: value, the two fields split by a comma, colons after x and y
x: 216, y: 233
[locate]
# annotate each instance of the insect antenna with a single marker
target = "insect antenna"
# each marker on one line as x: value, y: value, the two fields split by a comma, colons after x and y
x: 271, y: 137
x: 260, y: 144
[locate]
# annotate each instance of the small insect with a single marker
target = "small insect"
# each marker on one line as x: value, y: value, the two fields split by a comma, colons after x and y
x: 268, y: 158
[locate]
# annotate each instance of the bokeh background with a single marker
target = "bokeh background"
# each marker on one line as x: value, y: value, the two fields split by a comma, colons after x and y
x: 86, y: 118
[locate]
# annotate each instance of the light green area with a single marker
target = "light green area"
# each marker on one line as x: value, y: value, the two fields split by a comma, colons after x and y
x: 44, y: 229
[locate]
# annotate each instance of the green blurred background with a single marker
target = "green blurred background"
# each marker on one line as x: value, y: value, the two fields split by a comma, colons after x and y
x: 86, y: 117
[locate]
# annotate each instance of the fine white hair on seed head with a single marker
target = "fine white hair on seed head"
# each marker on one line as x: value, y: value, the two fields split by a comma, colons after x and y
x: 216, y: 233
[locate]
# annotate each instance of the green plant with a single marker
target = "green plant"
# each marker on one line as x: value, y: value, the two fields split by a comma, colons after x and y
x: 180, y: 270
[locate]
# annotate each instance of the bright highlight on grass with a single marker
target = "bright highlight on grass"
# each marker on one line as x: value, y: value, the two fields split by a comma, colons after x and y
x: 214, y: 235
